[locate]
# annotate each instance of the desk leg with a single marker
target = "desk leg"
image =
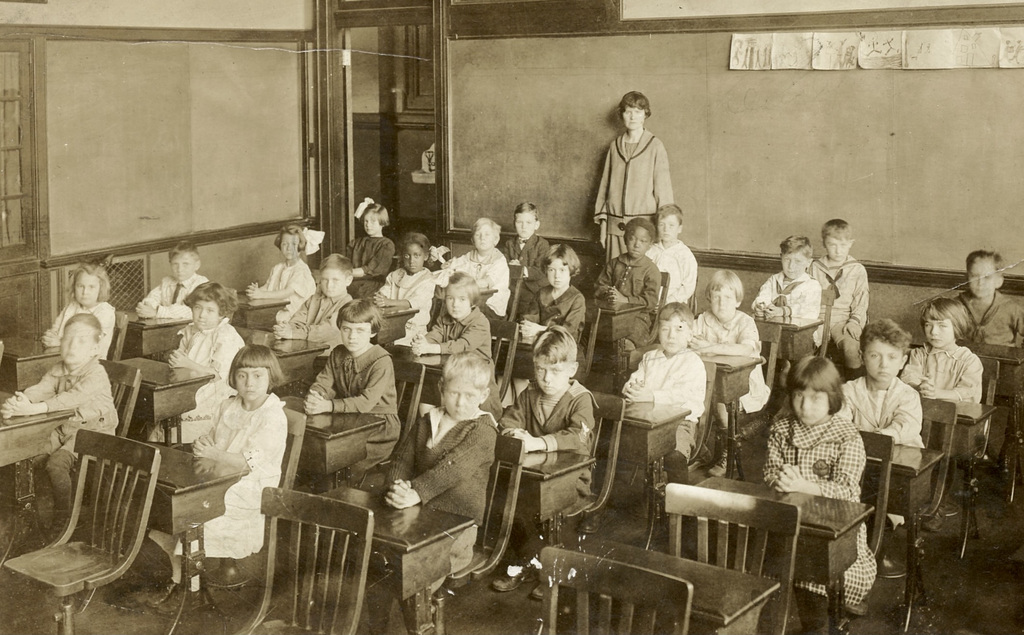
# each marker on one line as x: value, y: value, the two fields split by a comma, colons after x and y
x: 26, y: 518
x: 655, y: 496
x: 417, y: 613
x: 734, y: 465
x: 194, y: 595
x: 968, y: 506
x: 1013, y: 456
x: 835, y: 591
x: 915, y: 553
x: 621, y: 365
x: 172, y: 431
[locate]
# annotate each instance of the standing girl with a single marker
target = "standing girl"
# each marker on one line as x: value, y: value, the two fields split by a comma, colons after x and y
x: 289, y: 280
x: 636, y: 180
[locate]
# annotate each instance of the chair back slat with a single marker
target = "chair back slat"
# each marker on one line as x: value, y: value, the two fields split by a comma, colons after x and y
x: 938, y: 422
x: 828, y: 299
x: 292, y: 447
x: 502, y: 494
x: 515, y: 276
x: 610, y: 411
x: 504, y: 340
x: 990, y: 370
x: 751, y: 534
x: 770, y: 334
x: 592, y: 322
x: 409, y: 377
x: 702, y: 432
x: 325, y: 565
x: 125, y: 381
x: 879, y: 449
x: 604, y: 613
x: 117, y: 340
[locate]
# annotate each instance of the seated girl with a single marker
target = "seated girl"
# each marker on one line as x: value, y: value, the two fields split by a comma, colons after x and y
x: 371, y: 255
x: 411, y: 285
x: 290, y: 280
x: 559, y: 304
x: 89, y: 293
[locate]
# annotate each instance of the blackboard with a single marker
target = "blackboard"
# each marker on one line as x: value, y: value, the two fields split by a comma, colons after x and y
x: 156, y: 140
x: 924, y: 164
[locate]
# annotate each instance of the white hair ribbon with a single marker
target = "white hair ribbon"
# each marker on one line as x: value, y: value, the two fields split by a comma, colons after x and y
x: 362, y: 207
x: 437, y: 253
x: 313, y: 240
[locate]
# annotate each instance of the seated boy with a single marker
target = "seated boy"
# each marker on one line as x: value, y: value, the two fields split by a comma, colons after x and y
x: 995, y: 318
x: 672, y: 374
x: 632, y: 278
x: 879, y: 401
x: 168, y: 299
x: 486, y: 264
x: 528, y: 250
x: 671, y: 255
x: 554, y: 413
x: 848, y: 278
x: 77, y: 383
x: 792, y: 293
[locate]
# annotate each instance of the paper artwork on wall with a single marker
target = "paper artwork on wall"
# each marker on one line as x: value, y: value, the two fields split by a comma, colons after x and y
x: 977, y: 48
x: 751, y: 52
x: 929, y: 49
x: 1011, y: 47
x: 881, y: 49
x: 834, y: 51
x: 792, y: 51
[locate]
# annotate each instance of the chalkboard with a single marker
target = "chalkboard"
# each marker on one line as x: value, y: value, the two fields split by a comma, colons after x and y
x: 925, y: 165
x: 157, y: 140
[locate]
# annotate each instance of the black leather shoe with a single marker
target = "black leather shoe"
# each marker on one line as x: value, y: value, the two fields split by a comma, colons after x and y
x: 227, y: 576
x: 891, y: 569
x: 590, y: 524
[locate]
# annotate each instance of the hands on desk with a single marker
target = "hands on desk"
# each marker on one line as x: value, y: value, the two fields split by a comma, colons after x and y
x: 145, y: 311
x: 637, y: 391
x: 790, y: 480
x: 530, y: 330
x: 50, y: 339
x: 401, y: 495
x: 530, y: 442
x: 316, y: 403
x: 254, y: 292
x: 177, y: 359
x: 283, y: 331
x: 420, y: 346
x: 204, y: 448
x: 20, y: 406
x: 772, y: 311
x: 614, y: 296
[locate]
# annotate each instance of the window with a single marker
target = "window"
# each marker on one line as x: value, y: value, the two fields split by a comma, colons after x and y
x: 17, y: 206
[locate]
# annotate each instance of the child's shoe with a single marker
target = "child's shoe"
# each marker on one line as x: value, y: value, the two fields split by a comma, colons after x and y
x: 720, y: 467
x: 513, y: 578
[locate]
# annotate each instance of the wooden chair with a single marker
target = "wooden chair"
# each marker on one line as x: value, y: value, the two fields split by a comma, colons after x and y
x: 323, y: 570
x: 117, y: 341
x: 938, y: 422
x: 874, y: 489
x: 493, y: 536
x: 743, y: 533
x: 666, y: 280
x: 629, y: 599
x: 975, y: 446
x: 610, y: 412
x: 753, y: 423
x: 116, y: 509
x: 409, y: 382
x: 515, y: 277
x: 124, y: 388
x: 292, y: 447
x: 828, y: 298
x: 589, y: 337
x: 504, y: 340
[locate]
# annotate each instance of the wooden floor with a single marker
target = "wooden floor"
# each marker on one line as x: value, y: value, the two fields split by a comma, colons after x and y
x: 983, y: 593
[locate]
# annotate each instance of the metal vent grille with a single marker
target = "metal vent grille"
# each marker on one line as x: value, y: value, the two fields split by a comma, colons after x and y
x: 127, y: 282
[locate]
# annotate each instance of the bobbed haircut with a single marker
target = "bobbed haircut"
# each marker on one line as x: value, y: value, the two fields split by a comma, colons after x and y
x: 92, y: 269
x: 292, y: 229
x: 796, y: 245
x: 820, y: 375
x: 488, y: 223
x: 676, y: 310
x: 359, y: 312
x: 379, y: 212
x: 670, y: 210
x: 526, y: 208
x: 214, y: 292
x: 564, y: 253
x: 635, y: 99
x: 836, y: 228
x: 256, y: 356
x: 555, y: 346
x: 470, y: 366
x: 725, y: 279
x: 984, y: 254
x: 886, y: 331
x: 338, y: 263
x: 637, y: 223
x: 183, y: 247
x: 415, y: 238
x: 948, y: 309
x: 87, y: 320
x: 466, y: 282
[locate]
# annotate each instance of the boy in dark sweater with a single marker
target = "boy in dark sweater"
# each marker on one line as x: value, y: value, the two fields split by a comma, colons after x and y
x: 633, y: 278
x: 528, y: 249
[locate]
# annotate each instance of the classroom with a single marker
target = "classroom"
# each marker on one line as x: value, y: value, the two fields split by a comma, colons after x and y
x: 489, y: 291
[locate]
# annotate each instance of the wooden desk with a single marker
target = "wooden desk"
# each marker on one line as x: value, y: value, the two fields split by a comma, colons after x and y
x: 298, y: 360
x: 547, y: 489
x: 22, y: 438
x: 404, y: 353
x: 189, y: 492
x: 910, y: 489
x: 416, y: 544
x: 724, y: 600
x: 25, y: 362
x: 393, y: 327
x: 648, y: 436
x: 151, y: 336
x: 827, y: 544
x: 165, y: 394
x: 797, y: 336
x: 257, y: 314
x: 732, y: 381
x: 1010, y: 384
x: 333, y: 442
x: 614, y: 324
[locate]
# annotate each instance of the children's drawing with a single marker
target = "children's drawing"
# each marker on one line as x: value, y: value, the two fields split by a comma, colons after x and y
x: 791, y: 50
x: 1011, y: 47
x: 881, y: 49
x: 751, y: 52
x: 977, y: 48
x: 834, y: 51
x: 932, y: 48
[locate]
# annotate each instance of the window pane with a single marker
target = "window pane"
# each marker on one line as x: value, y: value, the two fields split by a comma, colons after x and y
x: 11, y: 194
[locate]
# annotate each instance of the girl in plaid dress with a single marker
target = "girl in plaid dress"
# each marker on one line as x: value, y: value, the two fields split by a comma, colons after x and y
x: 816, y: 449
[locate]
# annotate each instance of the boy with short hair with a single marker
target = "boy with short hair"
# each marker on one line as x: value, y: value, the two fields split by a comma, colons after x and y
x: 554, y: 413
x: 77, y: 383
x: 791, y: 293
x: 672, y: 256
x: 995, y: 318
x: 849, y: 280
x: 880, y: 401
x: 167, y: 300
x: 632, y: 278
x: 528, y: 250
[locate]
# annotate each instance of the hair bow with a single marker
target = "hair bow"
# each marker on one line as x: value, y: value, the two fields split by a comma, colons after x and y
x: 362, y: 207
x: 437, y: 253
x: 313, y: 240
